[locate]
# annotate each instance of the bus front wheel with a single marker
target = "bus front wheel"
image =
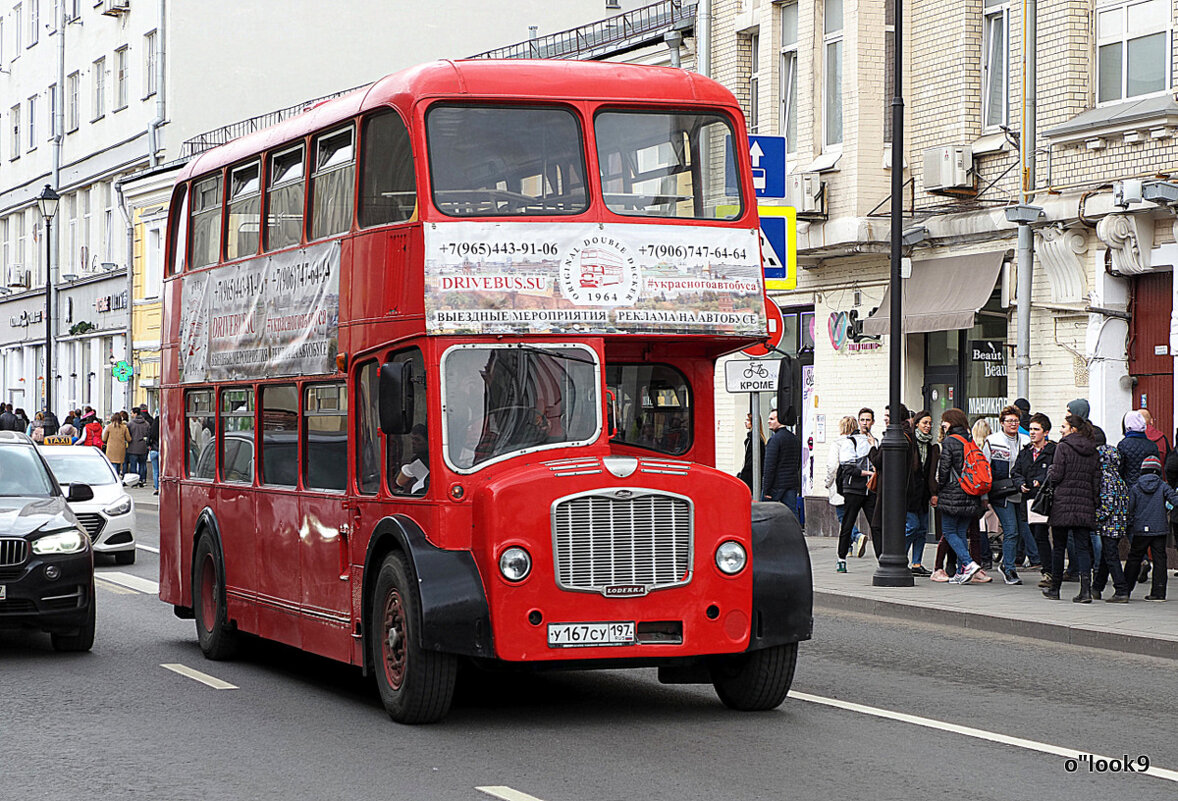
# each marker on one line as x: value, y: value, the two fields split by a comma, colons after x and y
x: 755, y: 681
x: 217, y: 639
x: 416, y: 685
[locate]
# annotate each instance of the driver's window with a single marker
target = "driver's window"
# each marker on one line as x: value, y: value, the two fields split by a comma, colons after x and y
x: 651, y: 407
x: 407, y: 455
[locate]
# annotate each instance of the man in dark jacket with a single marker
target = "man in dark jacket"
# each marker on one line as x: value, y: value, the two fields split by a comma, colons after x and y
x: 1135, y: 448
x: 153, y: 452
x: 1030, y: 474
x: 783, y: 465
x: 137, y: 450
x: 8, y: 421
x: 49, y: 422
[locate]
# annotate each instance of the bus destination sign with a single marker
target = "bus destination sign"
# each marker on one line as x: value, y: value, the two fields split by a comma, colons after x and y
x: 528, y: 278
x: 274, y: 315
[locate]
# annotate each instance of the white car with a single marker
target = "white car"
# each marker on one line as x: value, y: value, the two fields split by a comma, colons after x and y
x: 109, y: 517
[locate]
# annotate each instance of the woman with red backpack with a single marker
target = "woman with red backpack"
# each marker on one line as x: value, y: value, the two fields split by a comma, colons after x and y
x: 958, y: 507
x: 91, y: 430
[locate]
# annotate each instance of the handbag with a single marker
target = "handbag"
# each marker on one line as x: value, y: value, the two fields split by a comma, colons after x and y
x: 1043, y: 500
x: 873, y: 482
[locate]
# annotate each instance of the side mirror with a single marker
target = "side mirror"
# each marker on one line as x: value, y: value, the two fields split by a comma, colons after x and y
x: 79, y: 493
x: 395, y: 398
x: 786, y: 413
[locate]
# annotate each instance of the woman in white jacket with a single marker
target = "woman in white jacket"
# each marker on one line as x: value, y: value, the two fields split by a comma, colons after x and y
x: 847, y: 426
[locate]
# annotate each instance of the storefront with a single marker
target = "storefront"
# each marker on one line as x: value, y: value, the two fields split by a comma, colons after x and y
x: 92, y: 320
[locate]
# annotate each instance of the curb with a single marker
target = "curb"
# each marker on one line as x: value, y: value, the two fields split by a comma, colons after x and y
x: 1109, y: 639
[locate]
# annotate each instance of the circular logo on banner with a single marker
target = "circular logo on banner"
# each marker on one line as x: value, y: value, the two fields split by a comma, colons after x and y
x: 599, y: 271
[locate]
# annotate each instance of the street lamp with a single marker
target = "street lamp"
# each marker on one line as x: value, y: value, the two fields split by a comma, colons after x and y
x: 893, y: 564
x: 47, y: 202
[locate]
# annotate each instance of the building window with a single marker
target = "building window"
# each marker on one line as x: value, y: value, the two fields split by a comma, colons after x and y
x: 98, y: 106
x: 17, y: 39
x: 832, y: 73
x: 34, y: 21
x: 995, y: 65
x: 1132, y: 43
x: 789, y: 76
x: 14, y: 128
x: 149, y: 56
x: 32, y: 109
x: 754, y: 83
x: 121, y: 78
x: 53, y: 101
x: 73, y: 85
x: 84, y: 262
x: 153, y: 260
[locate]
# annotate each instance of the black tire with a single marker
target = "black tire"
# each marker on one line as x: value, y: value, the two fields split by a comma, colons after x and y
x: 125, y: 558
x: 83, y: 640
x: 218, y: 640
x: 416, y: 685
x: 756, y: 681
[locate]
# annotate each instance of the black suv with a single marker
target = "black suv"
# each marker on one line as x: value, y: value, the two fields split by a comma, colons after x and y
x: 46, y: 564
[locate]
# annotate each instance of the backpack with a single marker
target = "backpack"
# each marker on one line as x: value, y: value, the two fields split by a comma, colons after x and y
x: 976, y: 477
x: 849, y: 478
x: 1112, y: 513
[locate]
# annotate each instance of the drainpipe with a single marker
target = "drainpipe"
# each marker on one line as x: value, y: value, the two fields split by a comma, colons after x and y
x: 153, y: 127
x: 129, y: 392
x: 1026, y: 236
x: 703, y: 38
x: 674, y: 39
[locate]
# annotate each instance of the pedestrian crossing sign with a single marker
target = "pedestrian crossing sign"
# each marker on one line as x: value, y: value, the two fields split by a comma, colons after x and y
x: 779, y: 246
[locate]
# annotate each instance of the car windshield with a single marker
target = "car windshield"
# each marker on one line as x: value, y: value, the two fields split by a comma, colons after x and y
x: 505, y: 399
x: 79, y: 466
x: 21, y: 473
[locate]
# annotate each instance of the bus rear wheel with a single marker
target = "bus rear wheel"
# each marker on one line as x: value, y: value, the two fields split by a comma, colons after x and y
x: 217, y: 639
x: 416, y: 685
x: 755, y: 681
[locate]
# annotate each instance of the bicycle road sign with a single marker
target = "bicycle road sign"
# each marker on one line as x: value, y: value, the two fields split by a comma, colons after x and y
x: 751, y: 375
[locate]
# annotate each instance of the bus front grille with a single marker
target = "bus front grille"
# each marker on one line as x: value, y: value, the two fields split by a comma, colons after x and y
x: 624, y: 542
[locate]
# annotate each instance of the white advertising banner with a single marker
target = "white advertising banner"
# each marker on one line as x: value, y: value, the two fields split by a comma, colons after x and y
x: 271, y: 316
x: 526, y: 278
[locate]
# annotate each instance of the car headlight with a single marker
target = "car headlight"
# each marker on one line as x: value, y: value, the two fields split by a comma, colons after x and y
x: 515, y: 564
x: 70, y: 541
x: 731, y: 557
x: 120, y: 508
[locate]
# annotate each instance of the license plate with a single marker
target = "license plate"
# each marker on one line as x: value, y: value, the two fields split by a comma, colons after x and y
x: 3, y: 592
x: 586, y: 635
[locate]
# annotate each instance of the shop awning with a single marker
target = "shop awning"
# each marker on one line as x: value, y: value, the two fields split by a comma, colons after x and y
x: 942, y: 294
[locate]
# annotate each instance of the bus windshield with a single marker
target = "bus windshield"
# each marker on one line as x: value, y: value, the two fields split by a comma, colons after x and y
x: 497, y: 162
x: 666, y: 164
x: 502, y: 399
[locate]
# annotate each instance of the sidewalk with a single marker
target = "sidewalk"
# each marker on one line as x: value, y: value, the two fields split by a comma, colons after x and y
x: 144, y: 497
x: 1139, y: 627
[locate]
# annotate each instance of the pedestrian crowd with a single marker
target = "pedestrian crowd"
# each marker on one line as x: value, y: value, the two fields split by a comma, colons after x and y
x: 1078, y: 508
x: 130, y: 440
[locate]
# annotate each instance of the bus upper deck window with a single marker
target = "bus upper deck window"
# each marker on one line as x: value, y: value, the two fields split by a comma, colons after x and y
x: 667, y: 164
x: 245, y: 211
x: 178, y: 230
x: 513, y: 161
x: 206, y: 222
x: 284, y: 199
x: 388, y: 187
x: 332, y: 183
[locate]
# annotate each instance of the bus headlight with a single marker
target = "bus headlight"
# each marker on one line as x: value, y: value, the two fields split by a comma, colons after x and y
x: 731, y: 557
x: 70, y: 541
x: 515, y: 564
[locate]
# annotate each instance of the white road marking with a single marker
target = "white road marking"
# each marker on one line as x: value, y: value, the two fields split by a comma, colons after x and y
x: 147, y: 548
x: 980, y: 734
x: 115, y: 588
x: 507, y: 794
x: 131, y: 582
x: 203, y: 678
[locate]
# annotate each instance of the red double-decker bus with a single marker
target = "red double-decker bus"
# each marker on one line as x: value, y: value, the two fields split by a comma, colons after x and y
x: 401, y: 431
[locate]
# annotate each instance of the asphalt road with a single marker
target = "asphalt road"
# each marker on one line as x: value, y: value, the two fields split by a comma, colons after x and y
x: 116, y: 724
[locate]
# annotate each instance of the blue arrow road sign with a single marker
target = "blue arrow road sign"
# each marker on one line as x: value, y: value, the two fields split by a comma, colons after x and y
x: 767, y: 154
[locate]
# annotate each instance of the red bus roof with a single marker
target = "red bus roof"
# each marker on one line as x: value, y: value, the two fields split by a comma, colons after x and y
x: 484, y: 78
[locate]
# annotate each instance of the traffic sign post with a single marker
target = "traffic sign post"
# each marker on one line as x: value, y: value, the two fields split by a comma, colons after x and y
x: 779, y: 246
x: 767, y: 154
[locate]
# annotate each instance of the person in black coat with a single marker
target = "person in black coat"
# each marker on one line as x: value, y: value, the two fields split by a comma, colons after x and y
x: 1134, y: 448
x: 1075, y: 477
x: 957, y: 507
x: 746, y: 471
x: 783, y: 465
x: 8, y: 421
x: 1030, y: 474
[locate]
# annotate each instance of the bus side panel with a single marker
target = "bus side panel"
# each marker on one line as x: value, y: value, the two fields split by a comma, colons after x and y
x: 234, y: 509
x: 274, y: 547
x: 326, y: 594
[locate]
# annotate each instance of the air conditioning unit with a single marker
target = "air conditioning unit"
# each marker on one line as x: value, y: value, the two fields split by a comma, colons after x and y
x: 806, y: 192
x: 112, y: 8
x: 18, y: 277
x: 949, y: 169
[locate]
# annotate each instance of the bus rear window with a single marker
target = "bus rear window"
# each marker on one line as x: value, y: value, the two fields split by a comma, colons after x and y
x: 663, y: 164
x: 502, y: 162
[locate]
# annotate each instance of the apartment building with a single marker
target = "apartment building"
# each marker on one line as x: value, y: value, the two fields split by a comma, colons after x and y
x: 819, y: 73
x: 97, y: 91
